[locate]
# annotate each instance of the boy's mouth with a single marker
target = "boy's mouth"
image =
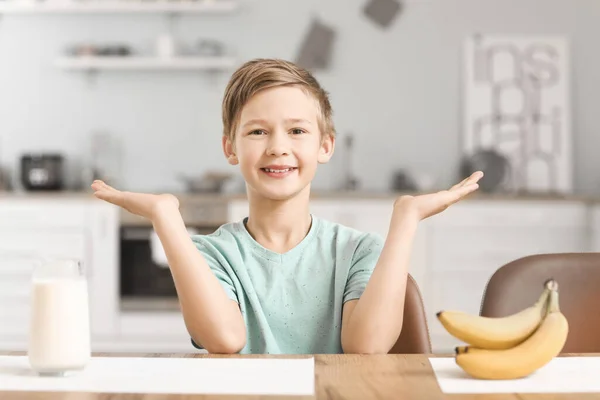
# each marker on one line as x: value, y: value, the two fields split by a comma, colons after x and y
x: 278, y: 172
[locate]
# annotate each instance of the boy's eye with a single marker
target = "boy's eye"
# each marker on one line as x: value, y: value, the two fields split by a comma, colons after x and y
x: 257, y: 132
x: 297, y: 131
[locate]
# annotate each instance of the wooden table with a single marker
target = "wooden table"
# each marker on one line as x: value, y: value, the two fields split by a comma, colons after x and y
x: 340, y: 377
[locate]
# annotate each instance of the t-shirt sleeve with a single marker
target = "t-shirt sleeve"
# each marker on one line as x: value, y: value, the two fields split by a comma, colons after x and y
x: 363, y: 262
x: 217, y: 264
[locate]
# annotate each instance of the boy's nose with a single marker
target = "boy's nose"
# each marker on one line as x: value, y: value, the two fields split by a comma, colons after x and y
x: 278, y: 145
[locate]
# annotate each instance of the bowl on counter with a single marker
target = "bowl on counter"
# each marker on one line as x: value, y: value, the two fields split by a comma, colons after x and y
x: 210, y: 182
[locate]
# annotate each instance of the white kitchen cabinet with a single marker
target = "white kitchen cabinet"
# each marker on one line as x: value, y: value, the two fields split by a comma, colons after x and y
x: 163, y: 331
x: 33, y: 228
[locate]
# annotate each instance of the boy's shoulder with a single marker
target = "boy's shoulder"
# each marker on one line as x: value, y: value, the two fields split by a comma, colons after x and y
x: 350, y: 240
x: 225, y: 233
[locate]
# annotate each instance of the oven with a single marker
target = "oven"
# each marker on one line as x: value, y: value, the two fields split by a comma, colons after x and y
x: 145, y: 278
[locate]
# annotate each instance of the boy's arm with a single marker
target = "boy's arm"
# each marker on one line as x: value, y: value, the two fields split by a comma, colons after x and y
x: 372, y: 324
x: 213, y: 320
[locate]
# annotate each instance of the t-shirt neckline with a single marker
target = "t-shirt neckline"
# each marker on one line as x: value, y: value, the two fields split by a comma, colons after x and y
x: 272, y: 255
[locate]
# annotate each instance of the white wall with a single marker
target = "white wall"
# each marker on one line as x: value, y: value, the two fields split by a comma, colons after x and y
x: 398, y: 90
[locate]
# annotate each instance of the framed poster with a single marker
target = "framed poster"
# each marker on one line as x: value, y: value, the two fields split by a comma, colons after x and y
x: 517, y: 102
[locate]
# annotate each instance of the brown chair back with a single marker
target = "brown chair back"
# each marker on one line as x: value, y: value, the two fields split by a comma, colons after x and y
x: 519, y: 283
x: 414, y: 338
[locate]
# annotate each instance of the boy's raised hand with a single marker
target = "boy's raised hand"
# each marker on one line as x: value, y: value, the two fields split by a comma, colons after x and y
x: 142, y: 204
x: 428, y: 205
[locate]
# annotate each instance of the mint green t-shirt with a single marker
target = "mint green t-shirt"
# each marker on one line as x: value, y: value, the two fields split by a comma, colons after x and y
x: 292, y: 302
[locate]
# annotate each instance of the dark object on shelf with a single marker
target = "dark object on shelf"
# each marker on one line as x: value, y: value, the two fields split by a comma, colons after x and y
x: 496, y: 169
x: 402, y: 181
x: 42, y: 171
x: 81, y: 50
x: 116, y: 50
x: 382, y: 12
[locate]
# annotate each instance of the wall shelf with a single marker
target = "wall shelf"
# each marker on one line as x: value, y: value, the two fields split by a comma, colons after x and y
x: 145, y: 63
x: 116, y: 6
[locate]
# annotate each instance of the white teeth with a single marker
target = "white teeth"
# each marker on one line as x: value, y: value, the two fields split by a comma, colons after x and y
x: 279, y: 171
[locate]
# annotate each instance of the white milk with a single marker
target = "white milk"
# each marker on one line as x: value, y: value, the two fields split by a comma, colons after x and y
x: 59, y: 338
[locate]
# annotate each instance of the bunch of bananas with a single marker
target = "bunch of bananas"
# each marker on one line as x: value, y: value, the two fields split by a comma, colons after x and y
x: 509, y: 347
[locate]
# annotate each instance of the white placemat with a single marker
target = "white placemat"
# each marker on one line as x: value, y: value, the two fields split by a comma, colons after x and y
x: 561, y: 375
x: 169, y: 375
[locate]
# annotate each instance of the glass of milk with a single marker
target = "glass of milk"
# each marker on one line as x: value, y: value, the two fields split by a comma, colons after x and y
x: 59, y: 336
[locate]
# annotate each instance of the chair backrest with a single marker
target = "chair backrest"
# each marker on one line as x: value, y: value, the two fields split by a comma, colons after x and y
x: 414, y: 338
x: 519, y: 283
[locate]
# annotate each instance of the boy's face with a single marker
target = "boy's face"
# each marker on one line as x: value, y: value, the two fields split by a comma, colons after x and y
x: 278, y: 144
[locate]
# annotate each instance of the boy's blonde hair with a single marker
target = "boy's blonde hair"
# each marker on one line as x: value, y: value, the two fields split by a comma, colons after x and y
x: 260, y: 74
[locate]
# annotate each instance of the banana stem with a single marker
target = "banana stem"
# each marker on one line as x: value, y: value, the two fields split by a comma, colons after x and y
x: 542, y: 303
x: 553, y: 305
x: 551, y: 284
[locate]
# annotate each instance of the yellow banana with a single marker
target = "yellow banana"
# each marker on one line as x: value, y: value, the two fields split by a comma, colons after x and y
x: 496, y: 333
x: 524, y: 359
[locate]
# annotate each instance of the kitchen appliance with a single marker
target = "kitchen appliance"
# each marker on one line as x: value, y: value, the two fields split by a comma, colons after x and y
x: 42, y: 171
x: 402, y: 181
x: 405, y: 180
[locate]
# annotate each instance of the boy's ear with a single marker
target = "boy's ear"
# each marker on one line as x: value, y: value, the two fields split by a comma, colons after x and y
x: 326, y: 149
x: 229, y: 151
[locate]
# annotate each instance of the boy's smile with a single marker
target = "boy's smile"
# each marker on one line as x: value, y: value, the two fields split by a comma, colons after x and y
x: 278, y: 143
x: 278, y: 171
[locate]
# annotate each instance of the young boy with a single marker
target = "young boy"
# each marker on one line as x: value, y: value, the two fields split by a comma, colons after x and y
x: 283, y: 280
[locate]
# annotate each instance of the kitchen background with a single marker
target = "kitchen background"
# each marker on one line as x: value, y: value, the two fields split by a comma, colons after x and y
x: 397, y: 89
x: 408, y: 97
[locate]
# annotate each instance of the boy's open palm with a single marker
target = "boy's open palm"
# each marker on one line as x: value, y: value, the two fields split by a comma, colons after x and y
x: 142, y: 204
x: 431, y: 204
